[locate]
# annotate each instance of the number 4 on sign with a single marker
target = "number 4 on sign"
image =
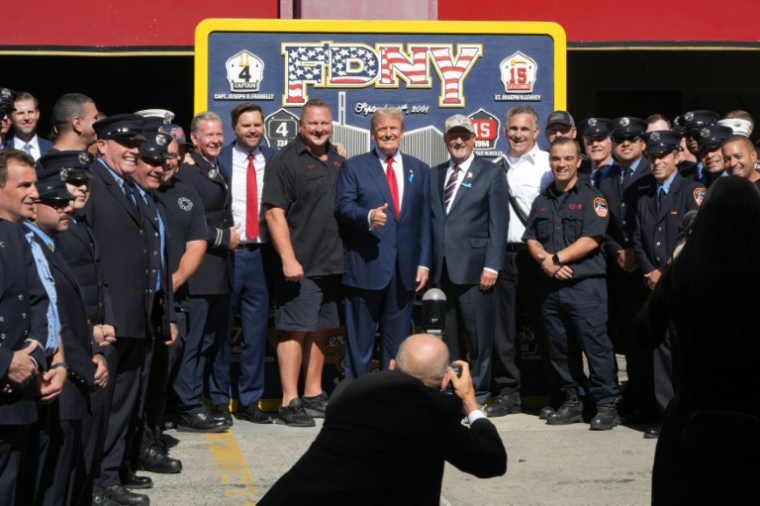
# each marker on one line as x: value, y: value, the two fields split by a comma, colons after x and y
x: 282, y: 129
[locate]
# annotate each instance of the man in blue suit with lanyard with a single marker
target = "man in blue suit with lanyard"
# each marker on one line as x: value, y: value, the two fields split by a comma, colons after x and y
x: 243, y: 164
x: 383, y: 201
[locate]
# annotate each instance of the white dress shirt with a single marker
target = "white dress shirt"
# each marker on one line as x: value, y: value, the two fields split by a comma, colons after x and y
x: 240, y: 191
x: 527, y: 177
x: 34, y: 146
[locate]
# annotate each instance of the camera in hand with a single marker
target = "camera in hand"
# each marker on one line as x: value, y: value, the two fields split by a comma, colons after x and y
x: 458, y: 372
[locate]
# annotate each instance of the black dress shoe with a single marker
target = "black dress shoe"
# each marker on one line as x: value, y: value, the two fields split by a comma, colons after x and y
x: 503, y: 405
x: 222, y: 412
x: 99, y: 499
x: 293, y: 415
x: 153, y: 458
x: 131, y: 481
x: 570, y: 412
x: 120, y: 495
x: 201, y: 422
x: 253, y: 414
x: 652, y: 433
x: 606, y: 417
x: 315, y: 406
x: 545, y: 412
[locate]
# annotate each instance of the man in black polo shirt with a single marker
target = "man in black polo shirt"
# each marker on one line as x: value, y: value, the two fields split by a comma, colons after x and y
x: 565, y: 228
x: 299, y: 195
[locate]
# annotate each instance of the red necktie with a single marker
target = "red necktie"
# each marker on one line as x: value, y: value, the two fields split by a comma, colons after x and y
x: 252, y: 203
x: 393, y: 184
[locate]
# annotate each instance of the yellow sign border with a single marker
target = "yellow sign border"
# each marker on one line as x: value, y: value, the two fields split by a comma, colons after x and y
x: 209, y: 26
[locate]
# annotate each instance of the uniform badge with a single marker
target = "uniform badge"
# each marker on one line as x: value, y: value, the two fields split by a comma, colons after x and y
x: 592, y: 122
x: 600, y: 207
x: 655, y: 136
x: 161, y: 140
x: 625, y: 122
x: 469, y: 175
x: 6, y: 93
x: 699, y: 195
x: 185, y: 203
x: 212, y: 173
x: 84, y: 158
x: 705, y: 133
x: 737, y: 124
x: 64, y: 173
x: 688, y: 116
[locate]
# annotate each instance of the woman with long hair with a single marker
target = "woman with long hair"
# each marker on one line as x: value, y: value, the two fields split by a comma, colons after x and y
x: 709, y: 443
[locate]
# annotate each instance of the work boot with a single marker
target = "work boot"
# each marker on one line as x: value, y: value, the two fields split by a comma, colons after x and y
x: 153, y: 458
x: 504, y: 404
x: 571, y: 411
x: 606, y: 417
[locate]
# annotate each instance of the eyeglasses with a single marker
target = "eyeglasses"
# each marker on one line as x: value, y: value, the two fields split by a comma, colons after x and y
x: 465, y: 136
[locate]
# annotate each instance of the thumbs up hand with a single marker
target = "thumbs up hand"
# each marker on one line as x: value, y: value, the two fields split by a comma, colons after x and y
x: 377, y: 216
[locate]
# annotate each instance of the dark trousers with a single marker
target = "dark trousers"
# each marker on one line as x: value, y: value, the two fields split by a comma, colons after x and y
x: 94, y: 428
x: 250, y: 297
x: 517, y: 304
x: 60, y: 449
x: 582, y: 307
x: 391, y: 307
x: 469, y: 330
x: 133, y: 358
x: 158, y: 382
x: 12, y: 445
x: 627, y: 294
x: 664, y: 388
x: 208, y: 326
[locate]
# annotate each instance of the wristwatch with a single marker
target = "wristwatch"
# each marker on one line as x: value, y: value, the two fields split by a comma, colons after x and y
x: 555, y: 259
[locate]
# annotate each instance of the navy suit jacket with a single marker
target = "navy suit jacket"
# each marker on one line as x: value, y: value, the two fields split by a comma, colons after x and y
x: 371, y: 255
x: 225, y: 159
x: 21, y: 292
x: 657, y: 233
x: 45, y: 144
x: 117, y: 225
x: 474, y: 233
x: 76, y: 337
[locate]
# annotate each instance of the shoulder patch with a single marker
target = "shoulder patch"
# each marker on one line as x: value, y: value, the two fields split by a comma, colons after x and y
x: 185, y: 203
x: 699, y: 195
x: 600, y: 207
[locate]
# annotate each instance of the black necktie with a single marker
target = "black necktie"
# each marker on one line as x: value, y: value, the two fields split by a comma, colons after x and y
x: 660, y: 197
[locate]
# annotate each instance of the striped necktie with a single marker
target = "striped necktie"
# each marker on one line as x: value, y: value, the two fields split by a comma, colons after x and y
x: 448, y: 190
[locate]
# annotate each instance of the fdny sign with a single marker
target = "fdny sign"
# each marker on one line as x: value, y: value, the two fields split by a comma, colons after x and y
x: 428, y: 70
x: 346, y: 65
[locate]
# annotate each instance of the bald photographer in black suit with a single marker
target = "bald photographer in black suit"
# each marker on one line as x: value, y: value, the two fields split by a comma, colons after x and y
x: 395, y: 427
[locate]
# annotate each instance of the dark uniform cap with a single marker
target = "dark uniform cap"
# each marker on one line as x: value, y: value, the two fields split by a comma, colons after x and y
x: 712, y: 136
x: 595, y: 127
x: 157, y: 146
x: 175, y: 131
x: 152, y: 124
x: 7, y: 97
x: 51, y: 184
x: 628, y: 126
x: 694, y: 120
x: 662, y: 141
x: 562, y: 117
x: 127, y: 127
x: 73, y: 166
x: 677, y: 126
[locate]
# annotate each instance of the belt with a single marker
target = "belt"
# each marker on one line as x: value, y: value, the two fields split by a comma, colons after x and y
x: 516, y: 246
x: 249, y: 246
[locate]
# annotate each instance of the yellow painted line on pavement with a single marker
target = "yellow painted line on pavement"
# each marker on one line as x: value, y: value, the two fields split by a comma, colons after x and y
x: 233, y: 472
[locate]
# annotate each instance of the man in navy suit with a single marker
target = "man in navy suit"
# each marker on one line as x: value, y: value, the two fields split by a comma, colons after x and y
x: 243, y: 164
x: 384, y: 199
x: 470, y: 215
x: 25, y: 118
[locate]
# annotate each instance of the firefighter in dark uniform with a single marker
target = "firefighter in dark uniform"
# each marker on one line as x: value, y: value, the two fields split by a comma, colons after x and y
x: 693, y: 122
x: 112, y: 213
x: 566, y: 227
x: 79, y: 249
x: 623, y: 187
x: 710, y: 140
x: 60, y: 422
x: 597, y: 141
x: 656, y: 235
